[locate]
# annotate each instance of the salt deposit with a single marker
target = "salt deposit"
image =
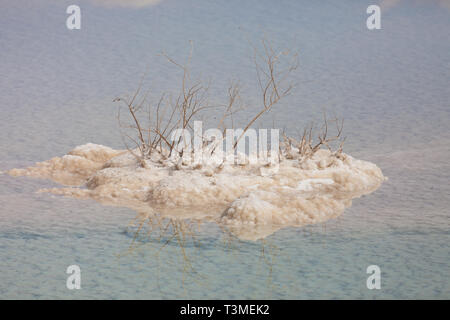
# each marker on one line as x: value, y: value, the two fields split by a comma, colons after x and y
x: 252, y: 200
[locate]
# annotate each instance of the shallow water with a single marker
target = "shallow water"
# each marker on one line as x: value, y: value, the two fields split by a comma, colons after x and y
x: 391, y: 86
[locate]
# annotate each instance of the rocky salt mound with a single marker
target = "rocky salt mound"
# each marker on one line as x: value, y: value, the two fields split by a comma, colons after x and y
x: 252, y: 200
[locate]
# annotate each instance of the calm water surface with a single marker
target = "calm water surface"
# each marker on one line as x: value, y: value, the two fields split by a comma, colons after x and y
x: 391, y: 86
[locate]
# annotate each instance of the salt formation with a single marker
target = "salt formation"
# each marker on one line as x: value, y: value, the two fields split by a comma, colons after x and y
x: 251, y: 200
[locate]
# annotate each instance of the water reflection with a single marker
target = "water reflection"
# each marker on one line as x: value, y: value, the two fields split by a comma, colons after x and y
x: 189, y: 239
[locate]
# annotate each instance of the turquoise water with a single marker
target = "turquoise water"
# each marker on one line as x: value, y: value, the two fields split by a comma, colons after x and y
x: 391, y: 86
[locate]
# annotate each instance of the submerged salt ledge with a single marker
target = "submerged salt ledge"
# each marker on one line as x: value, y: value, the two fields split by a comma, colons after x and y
x: 252, y: 200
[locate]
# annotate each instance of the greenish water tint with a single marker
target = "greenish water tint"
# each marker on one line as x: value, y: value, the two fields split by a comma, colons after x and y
x: 391, y: 86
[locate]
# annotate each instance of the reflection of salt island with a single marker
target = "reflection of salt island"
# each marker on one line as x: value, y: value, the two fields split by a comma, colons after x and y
x: 251, y: 200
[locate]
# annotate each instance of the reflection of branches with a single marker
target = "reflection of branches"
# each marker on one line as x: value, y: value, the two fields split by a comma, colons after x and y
x: 267, y: 250
x: 268, y: 254
x: 154, y: 228
x: 184, y: 235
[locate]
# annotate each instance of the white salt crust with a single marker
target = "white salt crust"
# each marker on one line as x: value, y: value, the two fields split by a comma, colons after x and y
x: 253, y: 201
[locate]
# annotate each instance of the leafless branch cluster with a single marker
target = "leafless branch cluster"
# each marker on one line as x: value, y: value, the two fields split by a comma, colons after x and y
x: 305, y: 147
x: 164, y: 116
x: 179, y: 112
x: 272, y: 78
